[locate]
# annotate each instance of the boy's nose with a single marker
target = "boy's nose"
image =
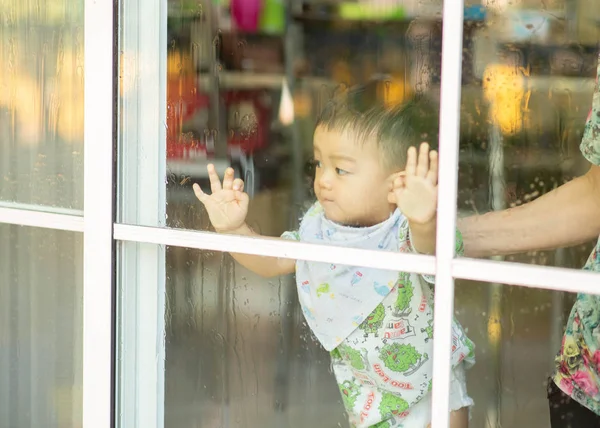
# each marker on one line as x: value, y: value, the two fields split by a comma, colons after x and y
x: 325, y: 181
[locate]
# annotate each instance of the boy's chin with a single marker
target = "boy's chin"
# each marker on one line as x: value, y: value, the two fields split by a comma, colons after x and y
x: 344, y: 220
x: 340, y: 219
x: 333, y: 215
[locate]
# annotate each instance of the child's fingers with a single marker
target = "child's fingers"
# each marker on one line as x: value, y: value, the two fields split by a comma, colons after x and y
x: 423, y: 161
x: 242, y: 198
x: 215, y: 182
x: 411, y: 161
x: 432, y: 174
x: 238, y: 184
x: 228, y: 179
x: 199, y: 193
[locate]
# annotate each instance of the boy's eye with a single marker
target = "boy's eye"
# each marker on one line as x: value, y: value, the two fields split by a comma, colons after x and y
x: 340, y: 171
x: 317, y: 163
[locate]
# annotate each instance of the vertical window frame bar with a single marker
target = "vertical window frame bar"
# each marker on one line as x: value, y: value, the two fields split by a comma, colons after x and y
x: 452, y: 38
x: 99, y: 113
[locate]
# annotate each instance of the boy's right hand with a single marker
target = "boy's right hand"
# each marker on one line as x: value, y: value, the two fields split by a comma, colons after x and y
x: 227, y: 205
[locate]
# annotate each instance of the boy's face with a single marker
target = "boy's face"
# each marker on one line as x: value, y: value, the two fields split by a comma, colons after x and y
x: 351, y: 182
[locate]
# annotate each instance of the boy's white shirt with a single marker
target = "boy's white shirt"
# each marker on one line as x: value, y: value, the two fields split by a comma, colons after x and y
x: 337, y: 299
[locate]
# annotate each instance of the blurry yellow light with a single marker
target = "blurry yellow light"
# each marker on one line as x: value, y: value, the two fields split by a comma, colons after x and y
x: 504, y: 89
x: 394, y: 91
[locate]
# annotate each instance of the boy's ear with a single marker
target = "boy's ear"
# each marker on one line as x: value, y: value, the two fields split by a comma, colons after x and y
x: 392, y: 177
x: 395, y: 175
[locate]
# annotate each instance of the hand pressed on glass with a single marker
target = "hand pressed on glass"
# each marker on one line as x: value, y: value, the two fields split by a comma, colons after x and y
x: 227, y: 205
x: 415, y: 190
x: 227, y: 208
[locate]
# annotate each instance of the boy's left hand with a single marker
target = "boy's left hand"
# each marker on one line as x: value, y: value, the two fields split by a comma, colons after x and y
x: 415, y: 191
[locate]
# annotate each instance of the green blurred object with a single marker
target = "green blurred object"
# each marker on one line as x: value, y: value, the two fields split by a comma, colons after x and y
x: 357, y: 11
x: 272, y: 19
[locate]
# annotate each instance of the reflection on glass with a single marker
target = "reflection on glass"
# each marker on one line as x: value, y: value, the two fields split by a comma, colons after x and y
x: 522, y: 121
x: 244, y: 351
x: 523, y: 136
x: 41, y: 103
x: 228, y: 80
x: 526, y: 94
x: 41, y: 286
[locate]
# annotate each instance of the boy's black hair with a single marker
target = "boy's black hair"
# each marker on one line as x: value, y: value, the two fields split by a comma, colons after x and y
x: 361, y: 112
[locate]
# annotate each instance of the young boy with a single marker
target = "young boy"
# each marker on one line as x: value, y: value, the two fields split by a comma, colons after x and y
x: 374, y: 191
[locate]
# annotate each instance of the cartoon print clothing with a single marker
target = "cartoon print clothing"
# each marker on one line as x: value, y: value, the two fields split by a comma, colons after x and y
x: 336, y: 299
x: 385, y: 367
x: 378, y: 402
x: 378, y: 323
x: 578, y: 361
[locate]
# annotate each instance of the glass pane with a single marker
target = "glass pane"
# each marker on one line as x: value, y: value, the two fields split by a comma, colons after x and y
x: 41, y: 286
x: 523, y: 120
x: 517, y: 333
x: 244, y: 351
x: 238, y: 352
x: 41, y: 103
x: 243, y: 89
x: 523, y: 136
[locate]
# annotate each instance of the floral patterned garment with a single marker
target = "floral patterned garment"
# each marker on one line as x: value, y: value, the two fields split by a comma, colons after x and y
x: 578, y: 362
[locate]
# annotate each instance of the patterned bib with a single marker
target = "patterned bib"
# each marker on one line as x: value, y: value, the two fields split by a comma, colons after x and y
x: 336, y: 299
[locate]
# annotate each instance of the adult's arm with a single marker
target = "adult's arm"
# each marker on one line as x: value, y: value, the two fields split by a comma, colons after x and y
x: 566, y: 216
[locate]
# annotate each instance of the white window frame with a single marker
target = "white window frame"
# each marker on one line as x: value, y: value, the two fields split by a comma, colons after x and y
x: 99, y: 119
x: 140, y: 301
x: 101, y: 234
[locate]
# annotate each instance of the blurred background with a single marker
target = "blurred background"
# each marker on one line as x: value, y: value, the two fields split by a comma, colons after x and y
x: 528, y: 76
x: 245, y: 81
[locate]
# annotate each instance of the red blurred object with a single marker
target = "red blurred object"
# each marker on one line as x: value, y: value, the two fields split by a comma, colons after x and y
x: 254, y: 138
x: 184, y: 101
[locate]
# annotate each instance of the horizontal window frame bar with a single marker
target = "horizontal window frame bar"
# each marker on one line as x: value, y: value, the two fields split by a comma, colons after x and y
x: 273, y: 247
x: 524, y: 275
x: 502, y: 272
x: 509, y: 273
x: 35, y: 216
